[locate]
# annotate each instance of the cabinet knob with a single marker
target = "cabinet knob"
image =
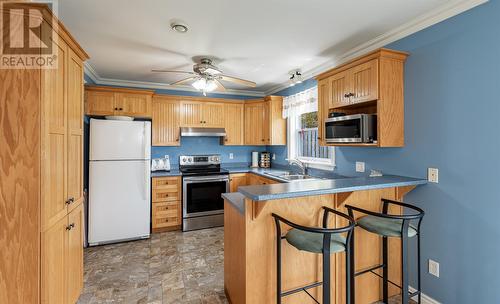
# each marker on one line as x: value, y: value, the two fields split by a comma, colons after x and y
x: 346, y: 95
x: 177, y: 139
x: 70, y: 200
x: 116, y: 109
x: 319, y: 137
x: 70, y: 226
x: 121, y: 109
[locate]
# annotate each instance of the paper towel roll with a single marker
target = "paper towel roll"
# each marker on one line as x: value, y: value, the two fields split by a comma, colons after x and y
x: 255, y: 159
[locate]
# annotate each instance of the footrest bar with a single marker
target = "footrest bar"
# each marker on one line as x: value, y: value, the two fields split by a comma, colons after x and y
x: 289, y: 292
x: 368, y: 270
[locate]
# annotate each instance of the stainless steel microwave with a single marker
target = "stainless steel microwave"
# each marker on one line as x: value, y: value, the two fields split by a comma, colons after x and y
x: 358, y: 128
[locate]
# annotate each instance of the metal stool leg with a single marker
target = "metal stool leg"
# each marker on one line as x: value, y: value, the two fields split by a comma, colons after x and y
x: 278, y: 263
x: 350, y: 285
x: 385, y: 269
x: 326, y: 269
x: 419, y: 261
x: 405, y: 298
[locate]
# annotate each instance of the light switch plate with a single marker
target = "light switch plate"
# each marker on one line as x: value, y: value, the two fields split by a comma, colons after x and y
x: 360, y: 167
x: 433, y: 175
x: 434, y: 268
x: 231, y: 155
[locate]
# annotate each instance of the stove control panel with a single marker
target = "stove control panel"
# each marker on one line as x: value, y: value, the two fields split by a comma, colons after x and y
x: 197, y: 160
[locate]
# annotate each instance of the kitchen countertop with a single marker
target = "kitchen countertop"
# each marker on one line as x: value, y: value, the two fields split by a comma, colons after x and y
x: 172, y: 172
x: 316, y: 187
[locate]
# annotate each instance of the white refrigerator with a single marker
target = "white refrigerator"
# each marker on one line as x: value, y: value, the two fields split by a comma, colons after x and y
x: 119, y: 181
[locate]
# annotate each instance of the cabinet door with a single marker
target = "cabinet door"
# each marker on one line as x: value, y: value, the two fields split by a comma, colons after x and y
x: 100, y: 103
x: 364, y: 82
x: 191, y: 114
x: 213, y: 115
x: 253, y: 179
x: 254, y: 124
x: 54, y: 263
x: 339, y: 90
x: 75, y: 130
x: 74, y: 254
x: 131, y: 104
x: 323, y: 102
x: 277, y: 124
x: 54, y: 139
x: 237, y: 180
x: 234, y: 123
x: 166, y: 122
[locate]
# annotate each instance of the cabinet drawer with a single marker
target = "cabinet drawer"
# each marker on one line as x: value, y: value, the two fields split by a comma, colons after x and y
x: 166, y: 189
x: 167, y: 183
x: 163, y: 195
x: 163, y: 209
x: 167, y: 221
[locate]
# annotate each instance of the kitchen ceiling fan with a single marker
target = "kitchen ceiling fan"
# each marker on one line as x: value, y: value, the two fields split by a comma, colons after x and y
x: 206, y: 77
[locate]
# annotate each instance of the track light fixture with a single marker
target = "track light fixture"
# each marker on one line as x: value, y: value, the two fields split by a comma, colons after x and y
x: 295, y: 77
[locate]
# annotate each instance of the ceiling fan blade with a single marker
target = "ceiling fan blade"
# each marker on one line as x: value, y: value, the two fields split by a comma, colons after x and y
x: 183, y: 81
x: 244, y: 82
x: 172, y: 71
x: 220, y: 87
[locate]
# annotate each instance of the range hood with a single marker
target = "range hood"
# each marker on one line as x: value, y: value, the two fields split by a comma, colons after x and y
x: 203, y: 132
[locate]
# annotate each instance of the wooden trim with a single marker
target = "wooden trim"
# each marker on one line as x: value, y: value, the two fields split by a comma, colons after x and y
x: 118, y: 90
x: 386, y: 53
x: 250, y: 101
x: 402, y: 191
x: 199, y: 99
x: 166, y: 229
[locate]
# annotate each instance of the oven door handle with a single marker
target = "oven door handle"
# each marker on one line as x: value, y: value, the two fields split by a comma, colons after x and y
x: 206, y: 179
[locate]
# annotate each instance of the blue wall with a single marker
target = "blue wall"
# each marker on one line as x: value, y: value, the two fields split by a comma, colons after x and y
x: 207, y: 145
x: 452, y: 123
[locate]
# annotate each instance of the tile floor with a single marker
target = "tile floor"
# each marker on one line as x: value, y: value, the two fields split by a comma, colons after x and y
x: 169, y: 268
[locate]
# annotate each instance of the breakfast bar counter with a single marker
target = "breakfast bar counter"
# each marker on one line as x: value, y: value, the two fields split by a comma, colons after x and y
x: 250, y: 237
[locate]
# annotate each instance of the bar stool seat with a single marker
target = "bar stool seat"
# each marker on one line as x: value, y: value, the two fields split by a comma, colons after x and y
x: 385, y: 226
x: 313, y: 242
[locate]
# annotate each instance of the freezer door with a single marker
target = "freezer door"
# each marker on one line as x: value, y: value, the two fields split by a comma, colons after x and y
x: 119, y: 201
x: 119, y: 140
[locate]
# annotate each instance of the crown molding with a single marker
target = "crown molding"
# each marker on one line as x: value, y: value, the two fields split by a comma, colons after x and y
x: 92, y: 73
x: 435, y: 16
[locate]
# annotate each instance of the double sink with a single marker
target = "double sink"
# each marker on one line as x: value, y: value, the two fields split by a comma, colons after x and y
x: 289, y: 176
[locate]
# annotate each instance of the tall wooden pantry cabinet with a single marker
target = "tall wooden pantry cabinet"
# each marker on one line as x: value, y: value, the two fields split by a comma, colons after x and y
x: 41, y: 168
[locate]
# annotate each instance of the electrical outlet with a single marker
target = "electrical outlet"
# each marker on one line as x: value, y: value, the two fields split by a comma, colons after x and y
x: 360, y: 167
x: 434, y: 268
x: 231, y: 155
x: 274, y: 156
x: 433, y: 175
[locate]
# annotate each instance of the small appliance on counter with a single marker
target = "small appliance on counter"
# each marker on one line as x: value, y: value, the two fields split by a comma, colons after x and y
x: 160, y: 164
x: 255, y: 159
x: 265, y: 160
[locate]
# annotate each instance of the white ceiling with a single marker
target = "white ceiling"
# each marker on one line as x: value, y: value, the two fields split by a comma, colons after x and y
x: 258, y: 40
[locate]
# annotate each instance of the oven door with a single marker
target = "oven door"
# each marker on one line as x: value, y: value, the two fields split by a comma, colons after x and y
x: 344, y: 129
x: 202, y: 195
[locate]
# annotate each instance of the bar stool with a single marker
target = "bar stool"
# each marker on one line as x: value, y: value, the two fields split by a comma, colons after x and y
x: 318, y: 240
x: 386, y: 225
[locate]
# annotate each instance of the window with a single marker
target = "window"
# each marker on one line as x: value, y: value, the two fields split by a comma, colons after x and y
x: 301, y: 111
x: 307, y: 148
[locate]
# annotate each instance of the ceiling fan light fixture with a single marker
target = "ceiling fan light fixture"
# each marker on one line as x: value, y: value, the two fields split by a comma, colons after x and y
x: 205, y: 85
x: 179, y: 27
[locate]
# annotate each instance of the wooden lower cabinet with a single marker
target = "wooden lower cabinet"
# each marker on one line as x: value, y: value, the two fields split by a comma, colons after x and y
x: 254, y: 179
x: 62, y: 259
x: 166, y: 206
x: 237, y: 180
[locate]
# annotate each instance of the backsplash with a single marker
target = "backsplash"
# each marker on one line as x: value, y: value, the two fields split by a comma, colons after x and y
x: 207, y: 145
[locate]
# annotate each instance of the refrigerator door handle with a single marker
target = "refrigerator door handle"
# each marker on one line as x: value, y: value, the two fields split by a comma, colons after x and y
x: 146, y: 182
x: 145, y: 144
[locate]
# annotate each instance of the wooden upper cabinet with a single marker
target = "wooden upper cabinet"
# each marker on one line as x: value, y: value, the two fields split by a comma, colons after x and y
x: 101, y: 101
x: 191, y: 114
x: 277, y: 124
x: 339, y: 90
x: 213, y: 115
x: 371, y: 84
x: 54, y: 139
x: 166, y: 121
x: 254, y: 123
x: 75, y: 130
x: 74, y: 255
x: 234, y: 123
x: 202, y: 114
x: 133, y: 104
x: 264, y: 124
x: 364, y: 82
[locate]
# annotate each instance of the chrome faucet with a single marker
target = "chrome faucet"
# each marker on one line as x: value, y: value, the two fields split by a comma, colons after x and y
x: 299, y: 164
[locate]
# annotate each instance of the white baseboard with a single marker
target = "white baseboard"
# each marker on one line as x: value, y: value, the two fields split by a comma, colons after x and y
x: 425, y: 298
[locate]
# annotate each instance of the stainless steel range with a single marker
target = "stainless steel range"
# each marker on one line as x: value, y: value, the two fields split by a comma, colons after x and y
x: 203, y: 182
